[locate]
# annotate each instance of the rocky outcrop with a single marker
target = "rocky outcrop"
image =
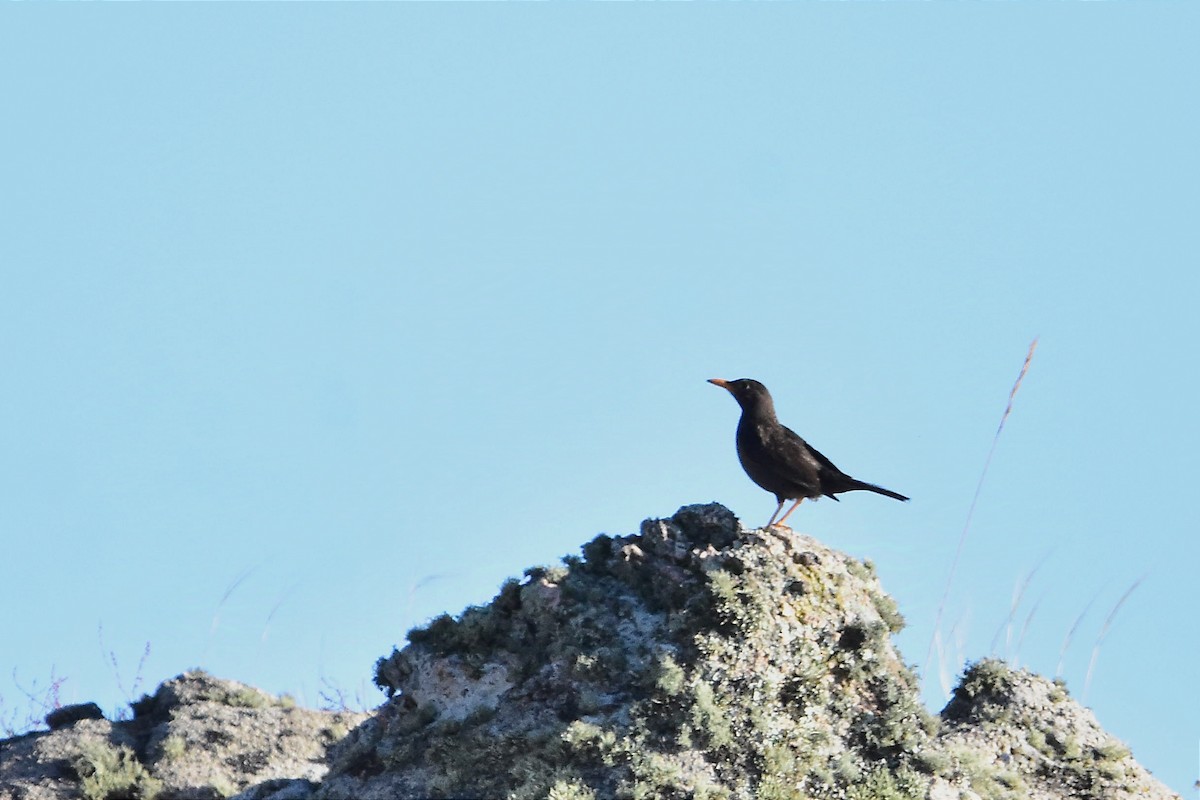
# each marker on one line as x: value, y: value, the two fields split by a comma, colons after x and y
x: 1015, y: 734
x: 196, y: 738
x: 699, y: 660
x: 693, y: 659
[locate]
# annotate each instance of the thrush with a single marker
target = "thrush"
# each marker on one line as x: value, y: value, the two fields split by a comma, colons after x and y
x: 778, y: 460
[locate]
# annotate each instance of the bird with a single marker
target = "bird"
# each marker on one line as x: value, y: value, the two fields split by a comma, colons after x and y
x: 778, y: 460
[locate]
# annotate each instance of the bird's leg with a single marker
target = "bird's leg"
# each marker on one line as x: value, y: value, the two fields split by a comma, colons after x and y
x: 778, y: 508
x: 788, y: 514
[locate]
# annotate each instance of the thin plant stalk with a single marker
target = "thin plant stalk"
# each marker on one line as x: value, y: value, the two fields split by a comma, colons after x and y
x: 962, y: 538
x: 1062, y: 651
x: 1087, y: 681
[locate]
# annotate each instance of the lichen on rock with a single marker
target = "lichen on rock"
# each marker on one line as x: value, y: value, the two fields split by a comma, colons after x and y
x: 697, y: 659
x: 693, y: 659
x: 196, y: 738
x: 1013, y: 734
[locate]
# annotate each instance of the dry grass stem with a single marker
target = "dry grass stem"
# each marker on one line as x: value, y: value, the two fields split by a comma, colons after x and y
x: 975, y: 499
x: 1087, y: 681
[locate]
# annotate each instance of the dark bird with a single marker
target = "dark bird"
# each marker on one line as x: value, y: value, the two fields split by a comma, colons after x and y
x: 778, y: 460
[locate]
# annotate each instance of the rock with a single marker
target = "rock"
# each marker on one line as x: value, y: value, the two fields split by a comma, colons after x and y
x: 56, y: 764
x: 693, y: 659
x: 69, y: 715
x: 1036, y: 740
x: 196, y: 738
x: 279, y: 789
x: 696, y: 659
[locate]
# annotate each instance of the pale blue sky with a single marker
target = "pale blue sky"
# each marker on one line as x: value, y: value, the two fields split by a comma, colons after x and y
x: 372, y: 306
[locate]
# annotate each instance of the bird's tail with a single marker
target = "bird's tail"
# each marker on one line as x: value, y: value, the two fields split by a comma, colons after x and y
x: 870, y: 487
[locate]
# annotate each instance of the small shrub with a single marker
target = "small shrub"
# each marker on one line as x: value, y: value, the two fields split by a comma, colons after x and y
x: 570, y: 790
x: 709, y: 719
x: 883, y: 784
x: 983, y: 694
x: 863, y: 570
x: 669, y: 677
x: 888, y: 611
x: 335, y: 732
x: 223, y: 788
x: 113, y: 773
x: 987, y: 780
x: 932, y: 762
x: 1038, y: 741
x: 246, y: 698
x: 173, y: 747
x: 1112, y: 750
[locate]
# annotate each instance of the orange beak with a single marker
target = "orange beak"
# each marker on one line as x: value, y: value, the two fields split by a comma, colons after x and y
x: 724, y: 384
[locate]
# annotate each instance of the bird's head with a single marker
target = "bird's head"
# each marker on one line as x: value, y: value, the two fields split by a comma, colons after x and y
x: 749, y: 393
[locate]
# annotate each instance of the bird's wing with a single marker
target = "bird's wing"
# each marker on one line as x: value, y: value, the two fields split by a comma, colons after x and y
x: 826, y: 464
x: 832, y: 478
x: 814, y: 468
x: 791, y: 457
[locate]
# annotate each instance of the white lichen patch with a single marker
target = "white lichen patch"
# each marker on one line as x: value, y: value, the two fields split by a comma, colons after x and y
x: 453, y: 689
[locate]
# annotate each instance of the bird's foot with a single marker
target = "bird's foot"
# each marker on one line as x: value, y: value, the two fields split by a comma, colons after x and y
x: 783, y: 533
